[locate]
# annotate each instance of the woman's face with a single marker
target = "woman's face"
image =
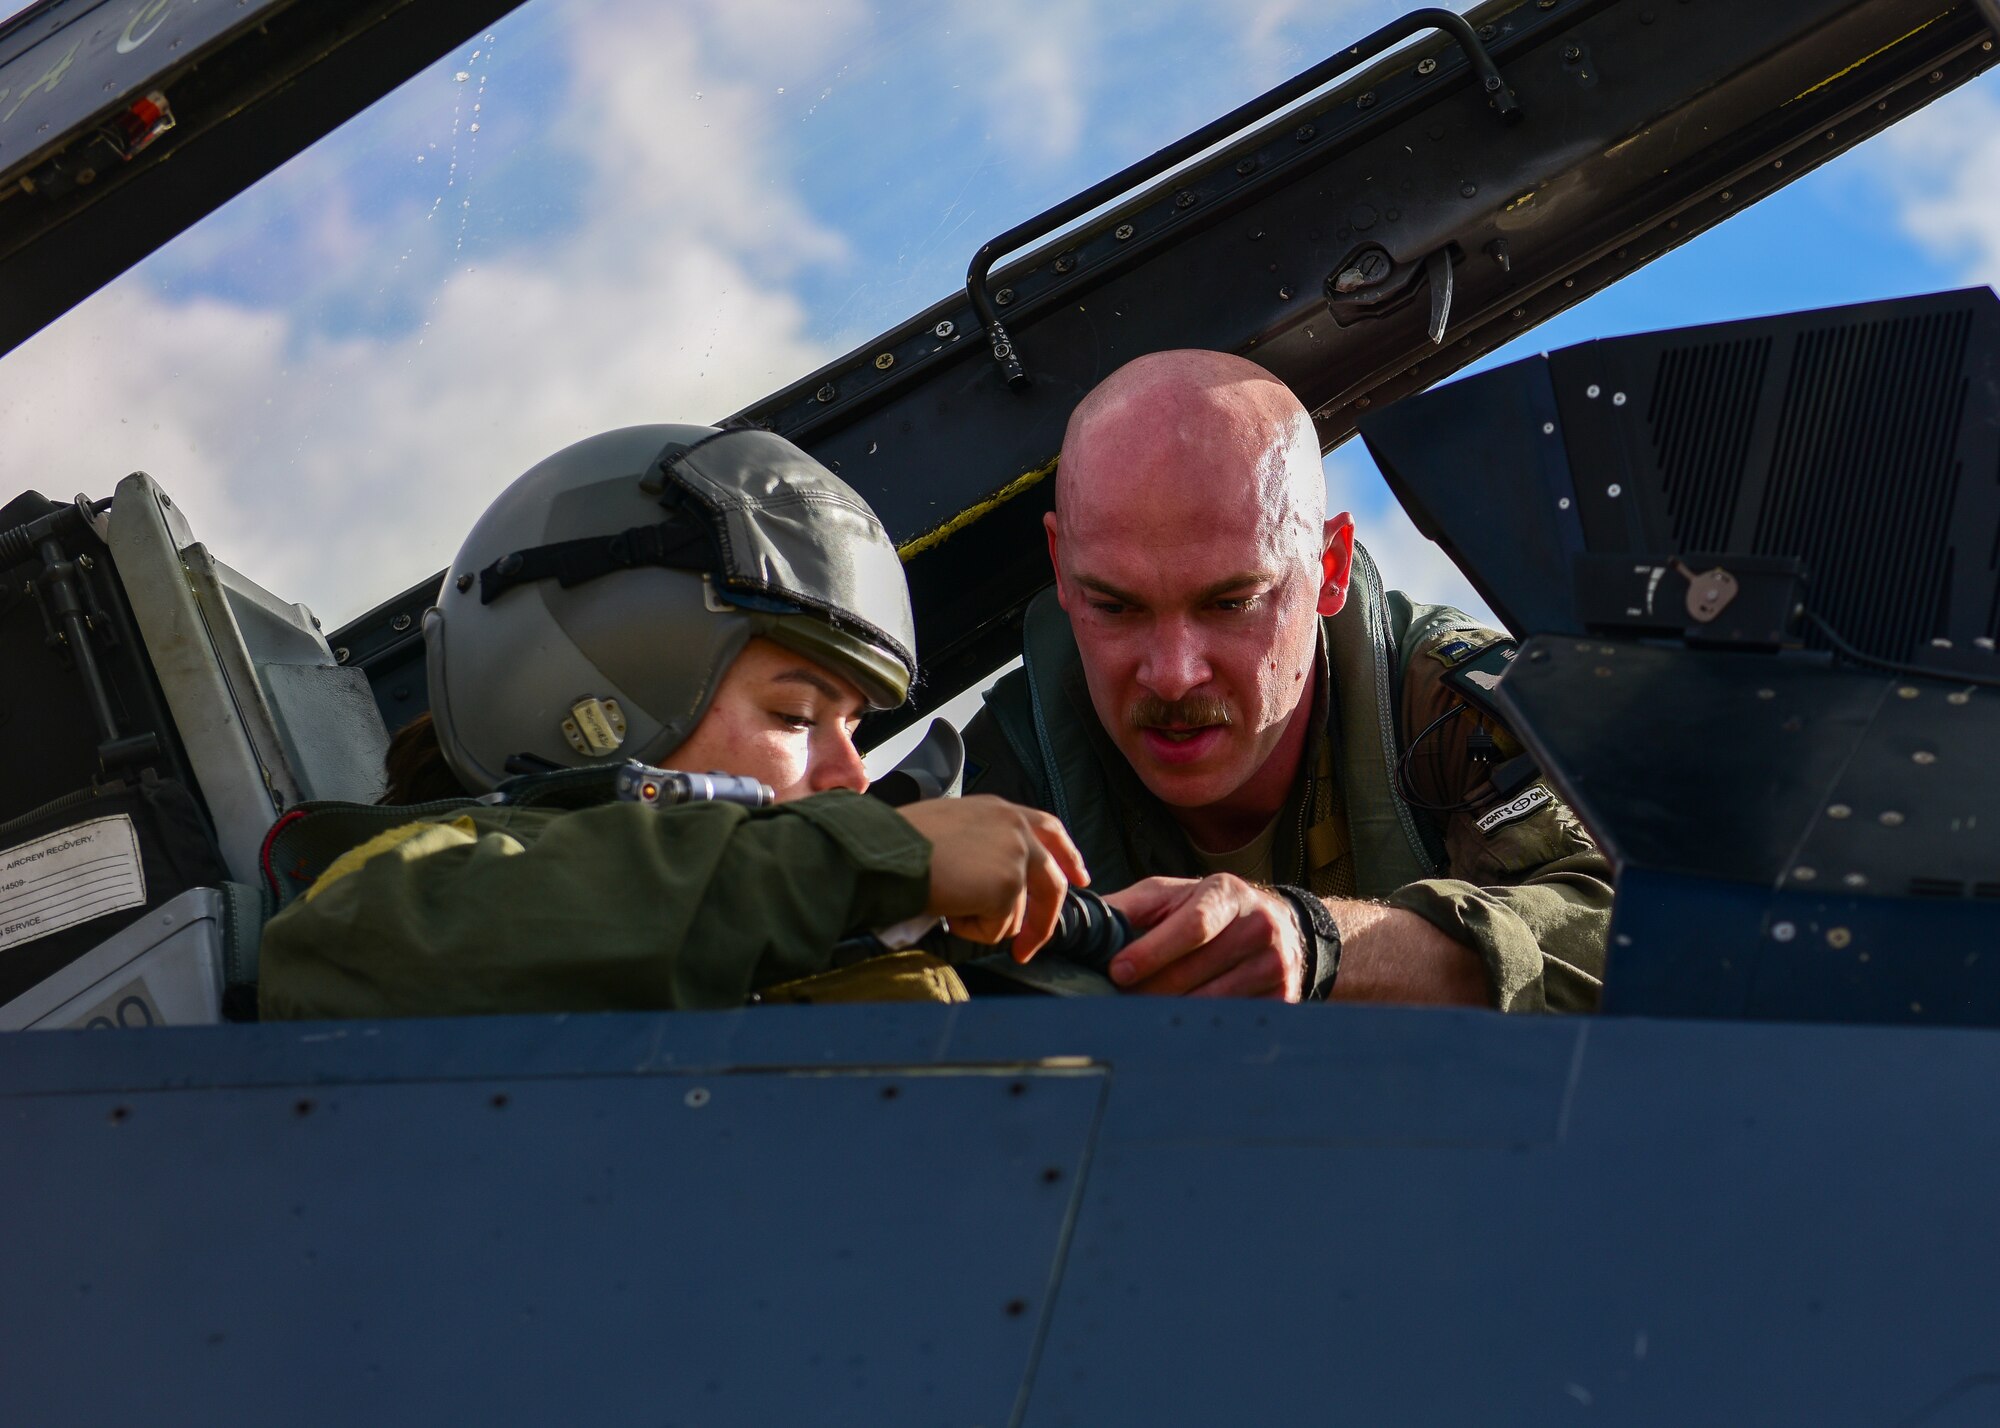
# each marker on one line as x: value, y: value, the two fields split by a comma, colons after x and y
x: 783, y: 719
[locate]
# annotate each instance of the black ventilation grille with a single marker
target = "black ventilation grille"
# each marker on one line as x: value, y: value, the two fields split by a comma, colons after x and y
x: 1862, y: 443
x: 1702, y: 413
x: 1865, y: 473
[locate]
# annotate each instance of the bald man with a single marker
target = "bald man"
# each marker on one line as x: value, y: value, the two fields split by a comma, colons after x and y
x: 1292, y: 779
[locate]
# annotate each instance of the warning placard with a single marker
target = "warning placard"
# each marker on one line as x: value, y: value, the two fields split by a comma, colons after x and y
x: 69, y: 877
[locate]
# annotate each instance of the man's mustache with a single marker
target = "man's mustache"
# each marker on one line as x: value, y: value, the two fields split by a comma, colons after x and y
x: 1195, y: 711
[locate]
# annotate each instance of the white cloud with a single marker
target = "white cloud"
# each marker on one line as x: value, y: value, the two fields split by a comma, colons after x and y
x: 335, y: 436
x: 1942, y: 166
x: 335, y: 469
x: 1031, y: 69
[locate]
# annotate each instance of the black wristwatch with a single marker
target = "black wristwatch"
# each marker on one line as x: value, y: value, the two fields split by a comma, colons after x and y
x: 1322, y: 940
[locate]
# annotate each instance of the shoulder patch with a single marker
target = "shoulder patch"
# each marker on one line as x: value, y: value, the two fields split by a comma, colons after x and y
x: 1457, y: 645
x: 1515, y: 809
x: 1475, y: 676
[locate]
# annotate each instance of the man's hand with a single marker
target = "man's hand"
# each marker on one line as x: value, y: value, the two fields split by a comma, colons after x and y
x: 998, y: 871
x: 1219, y: 937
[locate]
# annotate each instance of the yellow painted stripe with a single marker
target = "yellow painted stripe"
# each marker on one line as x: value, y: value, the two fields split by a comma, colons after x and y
x: 1864, y: 59
x: 933, y: 538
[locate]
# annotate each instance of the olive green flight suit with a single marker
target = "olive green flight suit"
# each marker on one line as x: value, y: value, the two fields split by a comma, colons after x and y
x: 468, y: 907
x: 1514, y: 878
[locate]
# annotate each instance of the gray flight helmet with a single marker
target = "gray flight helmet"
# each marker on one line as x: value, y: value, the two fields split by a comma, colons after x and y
x: 592, y: 612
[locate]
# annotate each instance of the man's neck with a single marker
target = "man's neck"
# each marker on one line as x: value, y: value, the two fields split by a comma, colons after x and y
x: 1229, y: 823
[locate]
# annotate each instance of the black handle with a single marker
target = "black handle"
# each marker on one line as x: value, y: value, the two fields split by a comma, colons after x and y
x: 1022, y: 234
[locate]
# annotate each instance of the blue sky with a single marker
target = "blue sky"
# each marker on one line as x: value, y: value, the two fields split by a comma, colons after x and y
x: 603, y: 212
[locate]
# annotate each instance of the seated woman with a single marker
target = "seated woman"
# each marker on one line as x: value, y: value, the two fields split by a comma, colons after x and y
x: 691, y: 598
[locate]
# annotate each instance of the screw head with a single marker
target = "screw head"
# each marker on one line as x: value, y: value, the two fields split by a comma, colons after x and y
x: 1838, y: 937
x: 1066, y: 263
x: 1371, y: 265
x: 340, y: 655
x: 1593, y: 391
x: 1427, y: 66
x: 1365, y: 101
x: 1487, y: 32
x: 1122, y: 232
x: 1572, y: 53
x: 1246, y: 166
x: 1890, y: 818
x: 1184, y: 199
x: 1783, y: 932
x: 401, y: 622
x: 1839, y: 810
x: 1304, y: 133
x: 1614, y: 490
x: 1003, y: 297
x: 884, y: 361
x: 825, y: 394
x: 464, y: 583
x: 1617, y: 399
x: 944, y: 329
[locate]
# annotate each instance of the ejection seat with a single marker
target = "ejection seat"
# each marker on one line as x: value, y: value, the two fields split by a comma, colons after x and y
x: 158, y: 712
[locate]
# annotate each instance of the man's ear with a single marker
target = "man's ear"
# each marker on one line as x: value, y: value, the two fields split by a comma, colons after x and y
x: 1336, y: 564
x: 1055, y: 558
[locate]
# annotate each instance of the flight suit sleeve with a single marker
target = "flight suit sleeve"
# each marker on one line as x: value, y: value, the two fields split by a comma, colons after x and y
x: 1525, y: 885
x: 617, y: 906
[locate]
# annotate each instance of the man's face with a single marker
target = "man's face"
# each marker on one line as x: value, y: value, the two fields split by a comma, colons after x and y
x: 783, y: 719
x: 1195, y: 615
